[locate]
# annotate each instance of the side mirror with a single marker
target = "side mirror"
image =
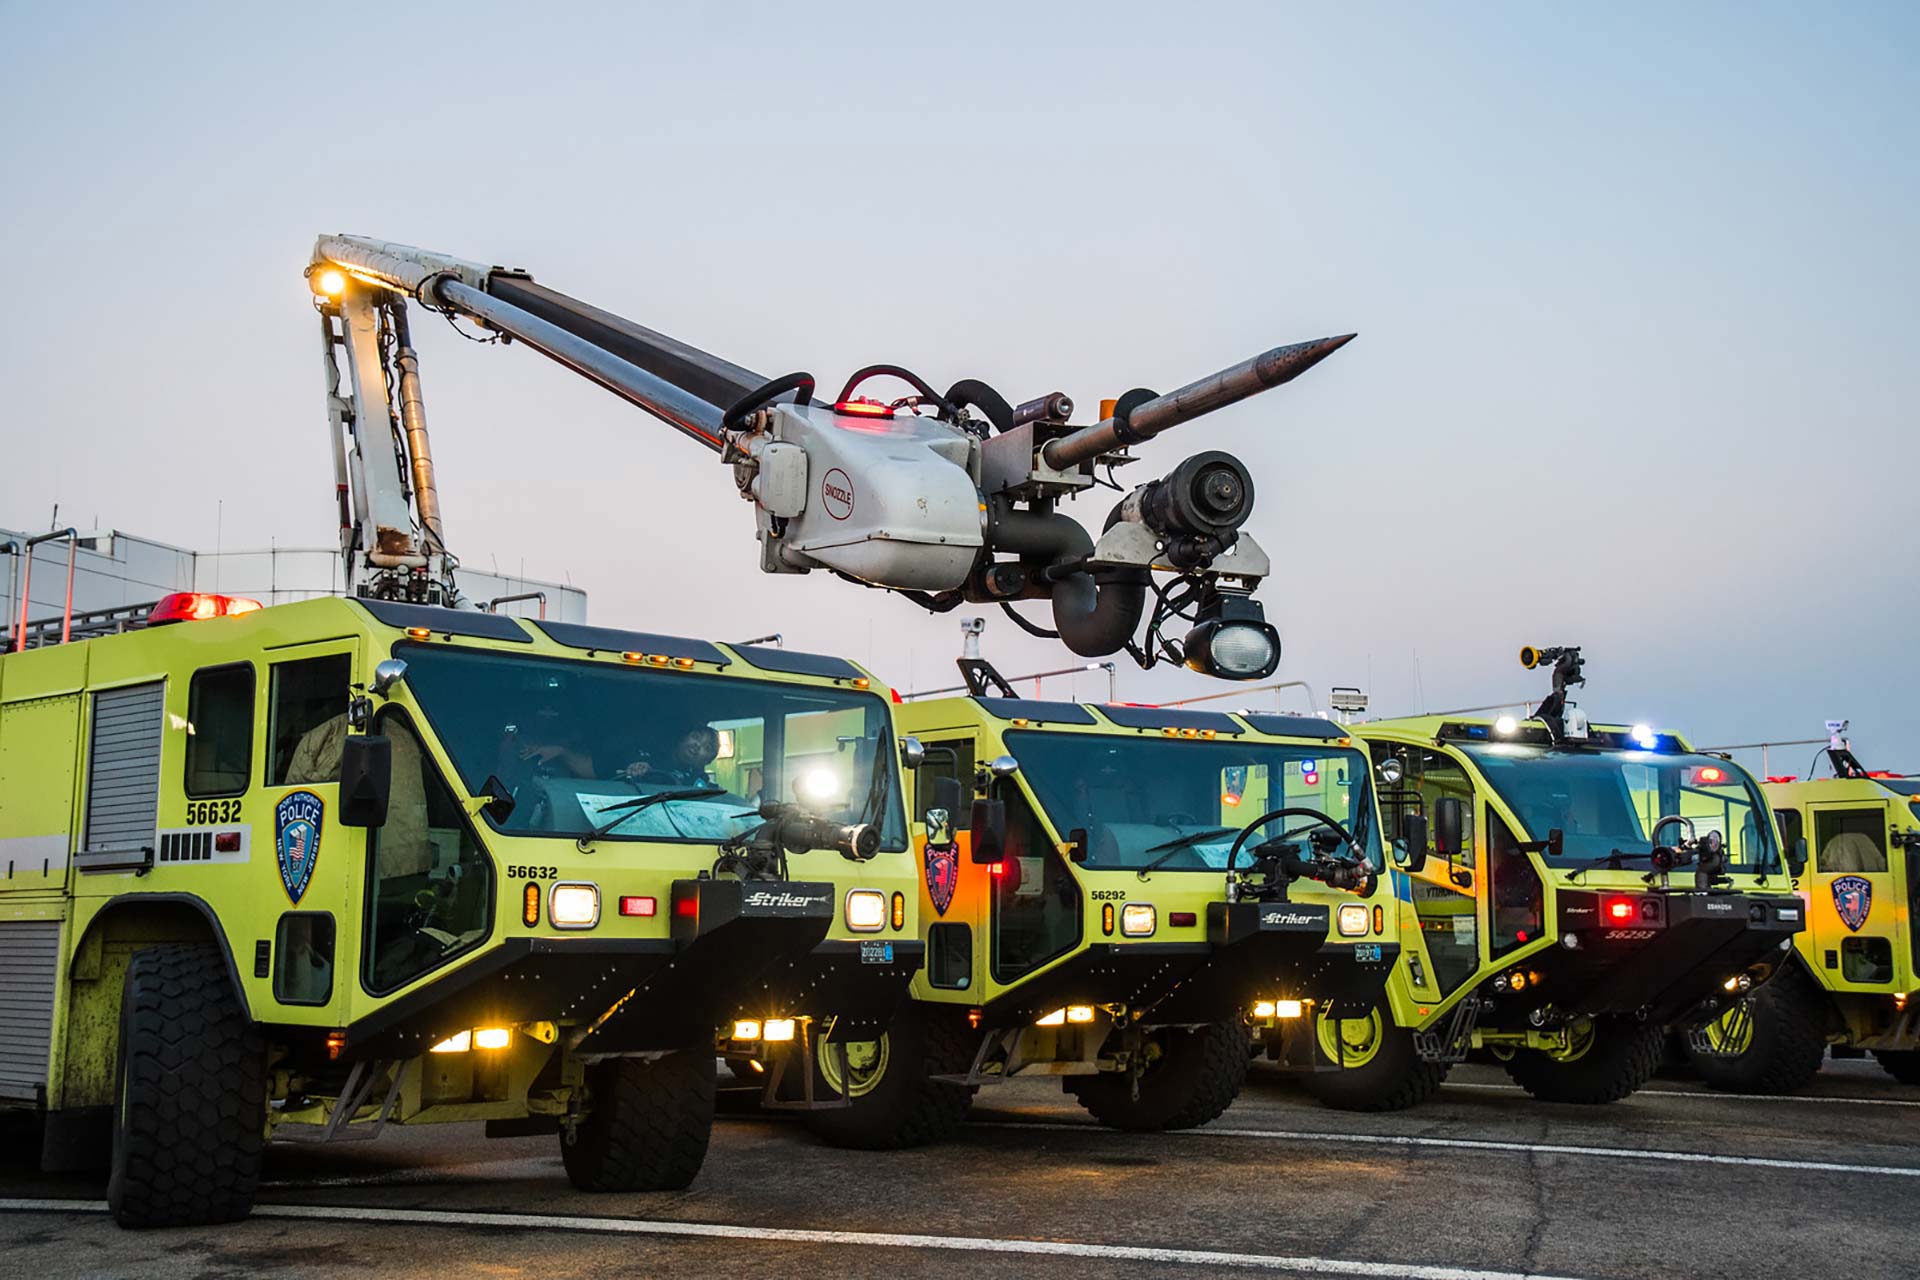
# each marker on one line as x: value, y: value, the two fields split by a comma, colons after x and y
x: 500, y: 802
x: 989, y: 830
x: 1003, y: 766
x: 1449, y: 826
x: 1556, y: 841
x: 1392, y: 771
x: 388, y: 673
x: 942, y: 798
x: 366, y: 779
x: 1797, y: 857
x: 913, y: 753
x: 1413, y: 841
x: 1081, y: 842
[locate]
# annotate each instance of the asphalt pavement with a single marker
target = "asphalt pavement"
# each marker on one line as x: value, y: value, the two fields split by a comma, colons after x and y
x: 1482, y: 1183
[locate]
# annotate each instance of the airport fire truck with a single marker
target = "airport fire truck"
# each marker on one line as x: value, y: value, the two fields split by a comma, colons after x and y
x: 306, y: 871
x: 1109, y: 892
x: 1852, y: 843
x: 1584, y: 889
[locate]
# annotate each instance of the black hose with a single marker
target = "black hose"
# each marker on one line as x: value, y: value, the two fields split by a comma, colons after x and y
x: 984, y: 398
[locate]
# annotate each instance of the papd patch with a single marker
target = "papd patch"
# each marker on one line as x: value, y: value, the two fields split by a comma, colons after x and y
x: 1852, y: 900
x: 943, y: 874
x: 297, y: 821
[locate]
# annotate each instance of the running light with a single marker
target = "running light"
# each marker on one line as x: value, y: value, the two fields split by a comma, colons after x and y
x: 492, y: 1037
x: 866, y: 910
x: 1138, y: 919
x: 530, y: 904
x: 638, y: 906
x: 459, y: 1042
x: 198, y: 606
x: 573, y: 905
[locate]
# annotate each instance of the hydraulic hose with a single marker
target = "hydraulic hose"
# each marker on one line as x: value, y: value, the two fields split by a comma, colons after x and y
x: 1094, y: 618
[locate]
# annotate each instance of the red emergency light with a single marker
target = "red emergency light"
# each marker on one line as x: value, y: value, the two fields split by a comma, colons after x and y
x: 1619, y: 910
x: 1707, y: 774
x: 861, y: 407
x: 197, y: 606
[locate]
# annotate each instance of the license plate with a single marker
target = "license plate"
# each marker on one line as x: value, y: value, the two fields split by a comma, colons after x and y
x: 882, y: 952
x: 1366, y: 954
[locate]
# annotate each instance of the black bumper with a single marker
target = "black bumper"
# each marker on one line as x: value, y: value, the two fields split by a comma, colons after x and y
x: 1671, y: 958
x: 734, y: 947
x: 1246, y: 957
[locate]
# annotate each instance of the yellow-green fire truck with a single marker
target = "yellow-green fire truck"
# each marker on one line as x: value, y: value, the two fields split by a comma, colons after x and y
x: 1108, y: 892
x: 1583, y: 889
x: 303, y: 872
x: 1853, y: 846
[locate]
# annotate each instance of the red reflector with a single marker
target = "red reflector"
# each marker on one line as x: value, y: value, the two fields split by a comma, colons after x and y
x: 1619, y: 910
x: 196, y: 606
x: 996, y: 868
x: 641, y: 906
x: 1520, y: 935
x: 687, y: 907
x: 1181, y: 919
x: 861, y: 407
x: 226, y: 842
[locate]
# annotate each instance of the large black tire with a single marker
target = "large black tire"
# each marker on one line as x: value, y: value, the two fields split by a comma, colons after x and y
x: 1389, y: 1076
x: 1786, y: 1041
x: 1620, y: 1056
x: 1902, y: 1064
x: 190, y: 1090
x: 647, y: 1123
x: 895, y: 1103
x: 1197, y: 1076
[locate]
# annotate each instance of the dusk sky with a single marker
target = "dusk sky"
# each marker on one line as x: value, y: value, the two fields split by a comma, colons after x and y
x: 1635, y: 287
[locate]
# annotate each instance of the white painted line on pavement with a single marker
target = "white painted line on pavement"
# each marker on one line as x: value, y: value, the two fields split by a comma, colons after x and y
x: 1480, y: 1144
x: 1709, y: 1095
x: 870, y: 1239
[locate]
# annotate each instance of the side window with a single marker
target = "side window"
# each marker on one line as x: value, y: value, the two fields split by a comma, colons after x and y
x: 1449, y: 923
x: 429, y: 883
x: 1036, y: 900
x: 951, y: 759
x: 220, y: 731
x: 1792, y: 829
x: 1850, y: 840
x: 307, y: 719
x: 303, y: 958
x: 1519, y: 900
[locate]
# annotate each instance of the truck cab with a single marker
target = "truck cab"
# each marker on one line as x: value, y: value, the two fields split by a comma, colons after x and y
x: 1102, y: 902
x: 389, y: 863
x: 1580, y: 893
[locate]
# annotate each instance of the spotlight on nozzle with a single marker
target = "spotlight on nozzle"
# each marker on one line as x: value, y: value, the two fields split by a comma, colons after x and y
x: 1233, y: 640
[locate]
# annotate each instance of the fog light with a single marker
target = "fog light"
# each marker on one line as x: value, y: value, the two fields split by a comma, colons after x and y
x: 459, y: 1042
x: 493, y: 1037
x: 1500, y: 983
x: 1058, y: 1018
x: 1079, y: 1013
x: 1263, y: 1008
x: 746, y: 1029
x: 573, y: 905
x: 1516, y: 981
x: 866, y: 910
x: 1571, y: 941
x: 1352, y: 920
x: 777, y: 1029
x: 1288, y: 1008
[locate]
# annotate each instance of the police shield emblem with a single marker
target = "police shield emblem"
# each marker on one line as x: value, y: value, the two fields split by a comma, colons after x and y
x: 943, y: 860
x: 296, y: 830
x: 1852, y: 900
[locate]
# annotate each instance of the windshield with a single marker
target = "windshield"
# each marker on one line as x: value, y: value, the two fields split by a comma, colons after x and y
x: 1604, y: 801
x: 576, y: 743
x: 1135, y: 795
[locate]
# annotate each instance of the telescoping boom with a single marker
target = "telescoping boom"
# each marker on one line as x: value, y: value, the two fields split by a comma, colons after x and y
x: 944, y: 498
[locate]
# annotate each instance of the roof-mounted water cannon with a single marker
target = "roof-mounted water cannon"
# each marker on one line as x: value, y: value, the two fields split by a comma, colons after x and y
x: 947, y: 498
x: 1563, y: 719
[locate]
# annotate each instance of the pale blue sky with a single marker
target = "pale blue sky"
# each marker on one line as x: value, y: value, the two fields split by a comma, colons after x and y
x: 1635, y: 287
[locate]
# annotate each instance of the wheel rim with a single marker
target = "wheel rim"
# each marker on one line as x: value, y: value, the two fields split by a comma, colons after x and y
x: 1730, y: 1034
x: 1351, y: 1042
x: 1580, y: 1039
x: 866, y: 1065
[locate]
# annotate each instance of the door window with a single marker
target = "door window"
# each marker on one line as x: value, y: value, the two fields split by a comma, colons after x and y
x: 1850, y: 840
x: 1519, y: 899
x: 429, y: 882
x: 307, y: 719
x: 1036, y: 900
x: 1449, y: 925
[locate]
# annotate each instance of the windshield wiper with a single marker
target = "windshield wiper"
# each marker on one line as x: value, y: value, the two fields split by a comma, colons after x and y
x: 1171, y: 847
x: 627, y: 808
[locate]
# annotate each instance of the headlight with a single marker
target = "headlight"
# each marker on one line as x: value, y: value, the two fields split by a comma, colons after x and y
x: 1353, y: 920
x: 1079, y: 1013
x: 1058, y: 1018
x: 746, y: 1029
x: 1138, y: 919
x: 1263, y: 1008
x: 866, y: 910
x: 492, y: 1037
x: 573, y: 905
x: 458, y: 1042
x: 1288, y: 1008
x: 777, y: 1029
